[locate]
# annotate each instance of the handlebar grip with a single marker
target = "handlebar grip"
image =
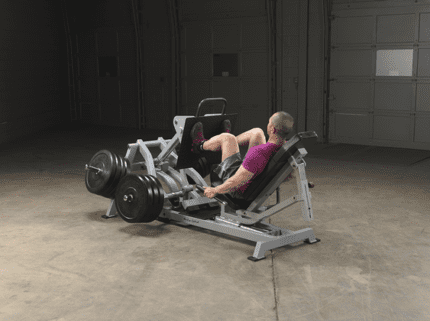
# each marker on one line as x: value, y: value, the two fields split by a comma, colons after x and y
x: 212, y: 99
x: 201, y: 189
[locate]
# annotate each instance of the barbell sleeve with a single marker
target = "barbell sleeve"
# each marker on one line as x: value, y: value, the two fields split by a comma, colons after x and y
x: 92, y: 168
x: 173, y: 195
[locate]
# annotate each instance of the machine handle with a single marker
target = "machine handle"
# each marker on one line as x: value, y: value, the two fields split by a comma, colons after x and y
x: 212, y: 99
x: 201, y: 189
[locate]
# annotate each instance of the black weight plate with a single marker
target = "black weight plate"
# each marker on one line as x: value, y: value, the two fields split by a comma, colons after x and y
x: 155, y: 210
x: 152, y: 197
x: 135, y: 211
x: 110, y: 190
x: 157, y: 188
x: 129, y: 211
x: 161, y: 191
x: 127, y: 167
x: 96, y: 183
x: 123, y: 168
x: 151, y: 182
x: 121, y: 173
x: 113, y: 171
x: 152, y: 210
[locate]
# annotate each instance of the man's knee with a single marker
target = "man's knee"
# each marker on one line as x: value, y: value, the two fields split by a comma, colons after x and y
x: 257, y: 131
x: 227, y: 137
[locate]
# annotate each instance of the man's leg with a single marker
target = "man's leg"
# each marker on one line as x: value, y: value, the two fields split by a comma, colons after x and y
x: 252, y: 137
x: 225, y: 142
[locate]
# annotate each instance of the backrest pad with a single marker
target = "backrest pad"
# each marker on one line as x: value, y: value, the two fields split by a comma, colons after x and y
x: 275, y: 164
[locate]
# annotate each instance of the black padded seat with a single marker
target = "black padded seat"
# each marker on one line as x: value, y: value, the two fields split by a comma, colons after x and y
x: 272, y: 169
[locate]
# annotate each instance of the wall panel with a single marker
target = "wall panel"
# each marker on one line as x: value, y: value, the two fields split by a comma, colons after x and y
x: 240, y: 33
x: 390, y: 59
x: 32, y: 68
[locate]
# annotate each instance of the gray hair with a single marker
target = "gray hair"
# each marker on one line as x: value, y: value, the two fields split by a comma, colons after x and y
x: 283, y: 123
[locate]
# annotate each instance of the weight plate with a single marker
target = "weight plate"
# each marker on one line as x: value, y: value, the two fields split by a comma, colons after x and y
x: 158, y: 192
x: 136, y: 210
x: 127, y: 166
x: 122, y: 166
x: 151, y: 195
x: 96, y: 183
x: 122, y: 173
x: 110, y: 190
x: 154, y: 190
x: 124, y: 170
x: 159, y: 188
x: 152, y: 210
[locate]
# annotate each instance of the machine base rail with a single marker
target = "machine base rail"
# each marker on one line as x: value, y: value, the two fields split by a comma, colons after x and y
x: 261, y: 234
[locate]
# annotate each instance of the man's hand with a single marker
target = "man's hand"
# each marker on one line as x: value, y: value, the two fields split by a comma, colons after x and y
x: 210, y: 191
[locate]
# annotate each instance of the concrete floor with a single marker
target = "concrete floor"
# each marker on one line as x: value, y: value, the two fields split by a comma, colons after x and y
x: 60, y: 260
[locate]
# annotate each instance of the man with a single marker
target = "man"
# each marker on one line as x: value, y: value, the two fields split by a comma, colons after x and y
x: 235, y: 173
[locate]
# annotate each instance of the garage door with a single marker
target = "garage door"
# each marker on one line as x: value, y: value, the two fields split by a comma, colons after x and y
x: 380, y: 75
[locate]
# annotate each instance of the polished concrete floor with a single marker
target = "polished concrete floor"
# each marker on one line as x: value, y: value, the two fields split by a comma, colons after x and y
x: 59, y: 260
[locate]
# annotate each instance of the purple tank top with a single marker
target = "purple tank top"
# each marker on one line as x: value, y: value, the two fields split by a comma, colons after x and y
x: 256, y: 160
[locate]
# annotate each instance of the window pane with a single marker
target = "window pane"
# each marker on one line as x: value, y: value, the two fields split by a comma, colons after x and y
x: 394, y: 62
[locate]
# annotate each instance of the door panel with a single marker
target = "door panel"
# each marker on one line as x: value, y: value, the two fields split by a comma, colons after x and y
x: 380, y: 76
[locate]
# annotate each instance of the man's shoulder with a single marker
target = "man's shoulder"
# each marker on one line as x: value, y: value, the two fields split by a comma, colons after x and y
x: 260, y: 151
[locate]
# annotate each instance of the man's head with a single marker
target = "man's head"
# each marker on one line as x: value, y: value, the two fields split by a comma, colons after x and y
x: 280, y: 125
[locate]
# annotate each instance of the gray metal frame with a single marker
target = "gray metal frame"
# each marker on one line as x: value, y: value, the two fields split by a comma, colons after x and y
x: 247, y: 223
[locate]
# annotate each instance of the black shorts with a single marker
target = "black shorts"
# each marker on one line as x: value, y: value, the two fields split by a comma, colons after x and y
x: 227, y: 169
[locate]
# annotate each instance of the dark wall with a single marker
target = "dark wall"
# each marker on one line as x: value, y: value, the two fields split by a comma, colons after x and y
x: 104, y: 41
x: 33, y: 67
x: 159, y: 104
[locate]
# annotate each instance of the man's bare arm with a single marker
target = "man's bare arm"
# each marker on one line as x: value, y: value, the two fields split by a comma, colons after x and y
x: 241, y: 177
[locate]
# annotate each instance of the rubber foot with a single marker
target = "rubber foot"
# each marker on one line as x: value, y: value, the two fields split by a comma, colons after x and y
x: 106, y: 217
x: 255, y: 259
x: 307, y: 241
